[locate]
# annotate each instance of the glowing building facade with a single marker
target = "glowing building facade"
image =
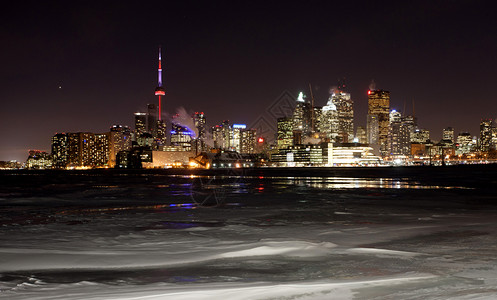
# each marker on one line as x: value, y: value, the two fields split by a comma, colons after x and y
x: 345, y: 115
x: 379, y: 106
x: 284, y: 135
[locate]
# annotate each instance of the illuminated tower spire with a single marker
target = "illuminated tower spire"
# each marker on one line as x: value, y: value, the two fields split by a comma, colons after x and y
x: 159, y: 90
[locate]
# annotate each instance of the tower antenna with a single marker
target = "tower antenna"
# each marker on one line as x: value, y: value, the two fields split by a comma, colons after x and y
x: 159, y: 90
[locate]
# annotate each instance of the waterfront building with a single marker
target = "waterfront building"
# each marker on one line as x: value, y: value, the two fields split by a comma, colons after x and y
x: 40, y: 160
x: 325, y: 154
x: 59, y: 151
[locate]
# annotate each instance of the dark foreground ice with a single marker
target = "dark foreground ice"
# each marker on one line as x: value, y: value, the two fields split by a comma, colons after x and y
x: 421, y: 233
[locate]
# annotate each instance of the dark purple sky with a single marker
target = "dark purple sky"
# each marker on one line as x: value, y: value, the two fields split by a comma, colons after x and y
x: 231, y: 61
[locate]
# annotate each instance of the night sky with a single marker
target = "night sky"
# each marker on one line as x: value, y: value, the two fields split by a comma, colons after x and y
x: 69, y: 68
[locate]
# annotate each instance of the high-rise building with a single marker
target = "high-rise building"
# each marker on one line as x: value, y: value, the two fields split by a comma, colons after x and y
x: 59, y: 151
x: 181, y: 136
x: 284, y: 135
x: 236, y: 137
x: 199, y: 123
x: 420, y: 136
x: 39, y: 160
x: 345, y: 114
x: 140, y: 123
x: 485, y: 135
x: 329, y: 122
x: 464, y: 143
x: 361, y: 135
x: 372, y: 129
x: 398, y: 135
x: 86, y: 149
x: 379, y: 106
x: 302, y: 115
x: 248, y: 141
x: 119, y: 140
x: 448, y: 134
x: 152, y: 119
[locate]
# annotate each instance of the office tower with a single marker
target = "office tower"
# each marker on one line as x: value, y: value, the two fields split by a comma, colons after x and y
x: 181, y: 136
x: 420, y: 136
x: 317, y: 117
x: 152, y: 119
x: 398, y: 135
x: 448, y: 134
x: 284, y: 134
x: 302, y: 115
x: 345, y: 113
x: 379, y: 106
x: 372, y: 129
x: 199, y: 123
x: 59, y: 151
x: 361, y: 135
x: 140, y: 123
x: 221, y: 135
x: 485, y: 134
x: 493, y: 142
x: 248, y: 141
x: 329, y: 122
x: 236, y: 137
x: 119, y: 140
x: 464, y: 143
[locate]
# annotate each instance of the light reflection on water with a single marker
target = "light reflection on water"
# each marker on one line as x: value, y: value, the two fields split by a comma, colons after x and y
x: 318, y: 182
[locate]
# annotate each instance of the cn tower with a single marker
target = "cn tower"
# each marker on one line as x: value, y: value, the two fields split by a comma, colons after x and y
x: 159, y: 90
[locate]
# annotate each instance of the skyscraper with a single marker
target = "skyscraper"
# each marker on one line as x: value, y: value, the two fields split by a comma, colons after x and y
x: 448, y: 134
x: 181, y: 136
x: 302, y: 116
x: 119, y: 140
x: 59, y: 151
x: 398, y: 135
x: 140, y: 123
x: 329, y: 123
x: 345, y: 114
x: 152, y: 119
x: 284, y: 135
x: 199, y: 123
x: 485, y: 135
x: 379, y: 106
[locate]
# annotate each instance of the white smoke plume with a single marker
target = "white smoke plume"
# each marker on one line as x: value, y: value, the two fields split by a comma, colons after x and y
x: 311, y: 140
x: 184, y: 118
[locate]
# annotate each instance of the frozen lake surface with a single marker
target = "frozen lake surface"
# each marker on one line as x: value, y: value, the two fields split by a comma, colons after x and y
x: 382, y: 233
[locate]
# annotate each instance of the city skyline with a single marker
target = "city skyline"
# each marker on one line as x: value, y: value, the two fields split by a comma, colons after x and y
x: 96, y: 71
